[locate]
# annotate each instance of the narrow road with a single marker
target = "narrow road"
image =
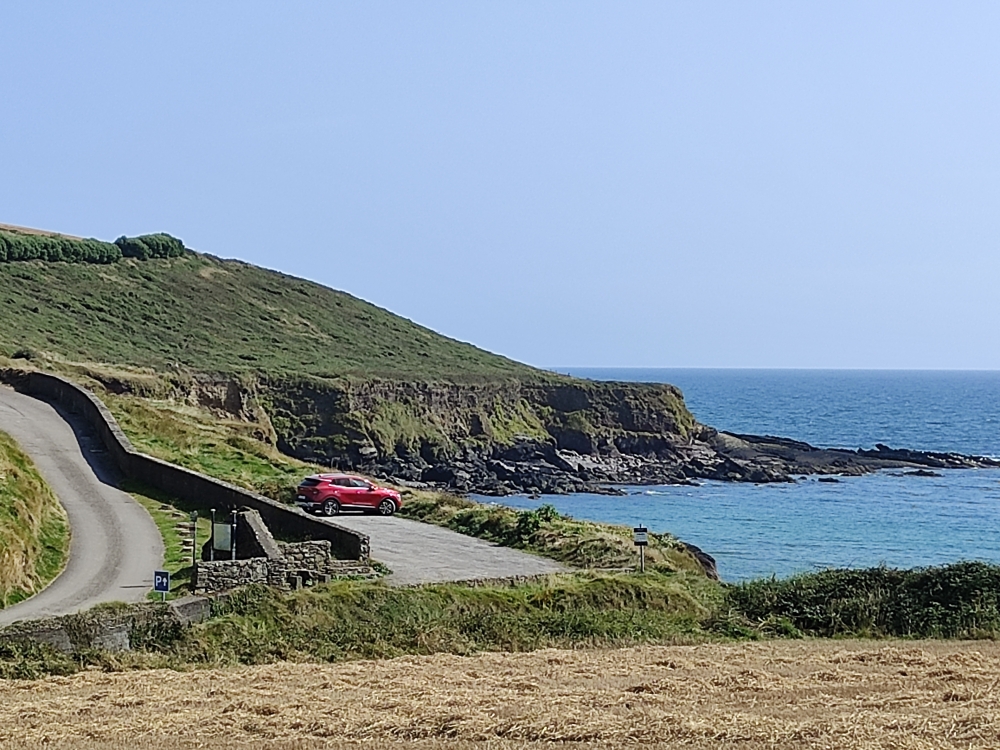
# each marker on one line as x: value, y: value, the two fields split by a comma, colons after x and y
x: 115, y: 545
x: 421, y: 553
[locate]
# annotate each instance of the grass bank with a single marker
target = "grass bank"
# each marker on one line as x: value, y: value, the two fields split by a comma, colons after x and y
x: 349, y: 620
x: 34, y: 533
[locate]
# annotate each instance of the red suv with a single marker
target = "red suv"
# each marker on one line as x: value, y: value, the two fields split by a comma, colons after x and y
x: 330, y: 493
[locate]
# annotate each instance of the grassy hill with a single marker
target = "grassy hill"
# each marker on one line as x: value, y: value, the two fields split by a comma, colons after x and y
x: 223, y: 316
x: 34, y: 534
x: 327, y: 377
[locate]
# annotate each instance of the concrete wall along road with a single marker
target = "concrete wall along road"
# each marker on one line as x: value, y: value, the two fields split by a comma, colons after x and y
x: 202, y: 491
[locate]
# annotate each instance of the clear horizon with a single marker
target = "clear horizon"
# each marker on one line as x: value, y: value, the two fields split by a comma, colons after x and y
x: 645, y: 185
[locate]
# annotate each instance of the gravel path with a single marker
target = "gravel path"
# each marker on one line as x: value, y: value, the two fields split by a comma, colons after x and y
x: 422, y: 553
x: 115, y: 545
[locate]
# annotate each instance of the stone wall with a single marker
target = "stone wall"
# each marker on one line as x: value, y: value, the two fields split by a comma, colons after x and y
x: 203, y: 491
x: 113, y: 628
x: 223, y: 575
x: 284, y: 574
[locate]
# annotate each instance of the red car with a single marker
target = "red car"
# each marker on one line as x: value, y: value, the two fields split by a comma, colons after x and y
x: 330, y: 493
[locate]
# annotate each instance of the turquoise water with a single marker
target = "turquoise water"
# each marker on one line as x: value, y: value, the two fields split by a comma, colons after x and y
x: 883, y: 518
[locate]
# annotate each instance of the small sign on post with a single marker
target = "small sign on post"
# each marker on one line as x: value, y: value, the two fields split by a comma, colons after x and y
x: 161, y: 583
x: 640, y: 536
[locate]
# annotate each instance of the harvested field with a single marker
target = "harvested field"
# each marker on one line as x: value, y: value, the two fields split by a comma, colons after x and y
x: 787, y: 694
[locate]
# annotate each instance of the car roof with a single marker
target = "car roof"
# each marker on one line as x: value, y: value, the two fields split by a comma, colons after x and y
x: 336, y: 476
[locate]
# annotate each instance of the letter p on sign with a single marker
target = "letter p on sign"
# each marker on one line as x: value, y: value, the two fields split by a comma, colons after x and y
x: 161, y: 581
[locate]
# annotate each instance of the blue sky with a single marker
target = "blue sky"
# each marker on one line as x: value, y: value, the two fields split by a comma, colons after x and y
x: 570, y: 184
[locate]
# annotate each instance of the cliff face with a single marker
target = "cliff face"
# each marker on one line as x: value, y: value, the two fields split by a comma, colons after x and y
x: 438, y: 431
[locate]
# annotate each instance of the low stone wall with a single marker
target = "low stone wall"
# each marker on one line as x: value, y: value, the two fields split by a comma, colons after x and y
x: 203, y: 491
x: 115, y: 628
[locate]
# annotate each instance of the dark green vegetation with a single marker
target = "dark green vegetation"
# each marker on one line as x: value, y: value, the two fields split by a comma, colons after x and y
x: 952, y: 601
x: 148, y: 246
x: 34, y: 534
x: 56, y: 248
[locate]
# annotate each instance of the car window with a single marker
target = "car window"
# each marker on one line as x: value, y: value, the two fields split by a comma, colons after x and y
x: 361, y: 483
x: 309, y: 483
x: 342, y: 482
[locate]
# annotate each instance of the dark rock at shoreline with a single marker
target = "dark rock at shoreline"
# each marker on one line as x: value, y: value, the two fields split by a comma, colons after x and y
x: 539, y: 467
x: 704, y: 559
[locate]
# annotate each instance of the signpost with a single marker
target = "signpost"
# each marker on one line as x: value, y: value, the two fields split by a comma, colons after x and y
x: 640, y: 536
x: 161, y: 583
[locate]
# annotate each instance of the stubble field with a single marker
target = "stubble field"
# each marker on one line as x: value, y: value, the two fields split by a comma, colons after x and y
x: 788, y: 694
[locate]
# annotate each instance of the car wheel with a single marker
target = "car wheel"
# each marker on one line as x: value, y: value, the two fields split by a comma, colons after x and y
x: 387, y: 507
x: 331, y: 508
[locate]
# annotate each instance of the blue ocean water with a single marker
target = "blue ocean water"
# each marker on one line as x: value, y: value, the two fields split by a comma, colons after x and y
x: 884, y: 518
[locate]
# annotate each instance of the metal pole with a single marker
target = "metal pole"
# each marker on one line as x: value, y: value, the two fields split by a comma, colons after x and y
x: 194, y: 540
x: 211, y: 544
x: 232, y: 538
x: 642, y: 559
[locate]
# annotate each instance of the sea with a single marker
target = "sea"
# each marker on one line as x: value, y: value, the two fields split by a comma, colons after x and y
x: 886, y: 518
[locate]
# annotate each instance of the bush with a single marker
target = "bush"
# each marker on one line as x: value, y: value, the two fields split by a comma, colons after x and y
x: 951, y: 601
x: 16, y: 246
x: 148, y: 246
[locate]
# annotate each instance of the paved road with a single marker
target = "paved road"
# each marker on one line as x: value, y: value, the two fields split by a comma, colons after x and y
x: 421, y: 553
x: 115, y: 545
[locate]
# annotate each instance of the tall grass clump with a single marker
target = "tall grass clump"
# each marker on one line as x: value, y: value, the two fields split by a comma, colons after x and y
x: 34, y: 533
x: 961, y: 600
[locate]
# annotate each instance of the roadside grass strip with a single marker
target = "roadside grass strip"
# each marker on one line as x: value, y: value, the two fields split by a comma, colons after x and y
x: 34, y: 531
x: 173, y: 518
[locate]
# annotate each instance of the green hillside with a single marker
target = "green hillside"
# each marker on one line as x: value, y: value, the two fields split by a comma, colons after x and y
x: 212, y: 315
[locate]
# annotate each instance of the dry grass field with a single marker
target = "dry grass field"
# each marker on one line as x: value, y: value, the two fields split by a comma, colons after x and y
x: 779, y: 694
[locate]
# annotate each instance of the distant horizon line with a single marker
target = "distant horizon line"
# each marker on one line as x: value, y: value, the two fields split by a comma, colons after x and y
x: 567, y: 369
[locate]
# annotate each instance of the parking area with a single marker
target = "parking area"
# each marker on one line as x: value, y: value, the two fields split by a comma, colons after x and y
x: 421, y: 553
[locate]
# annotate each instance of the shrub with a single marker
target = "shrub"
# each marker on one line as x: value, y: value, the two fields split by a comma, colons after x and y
x: 950, y: 601
x: 148, y: 246
x: 16, y: 246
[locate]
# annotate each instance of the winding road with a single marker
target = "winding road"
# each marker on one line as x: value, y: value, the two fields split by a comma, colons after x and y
x: 115, y: 545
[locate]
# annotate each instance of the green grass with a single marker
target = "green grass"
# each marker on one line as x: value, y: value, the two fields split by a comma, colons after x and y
x: 34, y: 533
x: 168, y: 512
x: 210, y: 315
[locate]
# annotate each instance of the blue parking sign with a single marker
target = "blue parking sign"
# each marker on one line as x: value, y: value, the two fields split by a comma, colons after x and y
x: 161, y: 580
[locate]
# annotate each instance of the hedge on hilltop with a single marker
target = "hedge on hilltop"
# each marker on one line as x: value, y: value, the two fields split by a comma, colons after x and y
x: 148, y: 246
x: 15, y: 246
x: 52, y: 248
